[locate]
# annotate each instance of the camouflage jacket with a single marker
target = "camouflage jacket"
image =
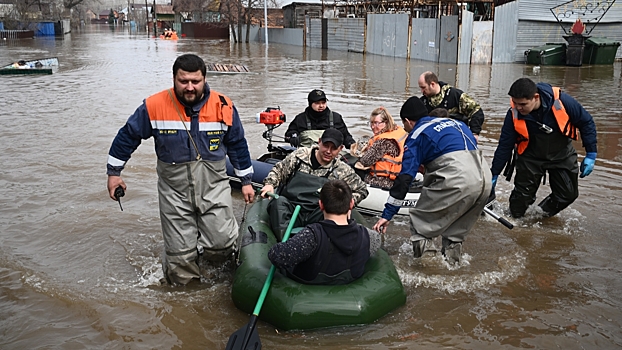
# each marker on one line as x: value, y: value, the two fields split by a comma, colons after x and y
x: 340, y: 170
x: 459, y: 105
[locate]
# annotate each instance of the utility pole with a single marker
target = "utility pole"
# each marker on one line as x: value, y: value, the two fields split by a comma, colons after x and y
x: 146, y: 18
x: 155, y: 21
x: 265, y: 19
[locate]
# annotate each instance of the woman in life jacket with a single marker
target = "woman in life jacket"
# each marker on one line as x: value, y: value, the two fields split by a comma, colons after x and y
x: 382, y: 157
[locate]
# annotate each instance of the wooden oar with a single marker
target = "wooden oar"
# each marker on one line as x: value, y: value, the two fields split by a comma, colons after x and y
x: 247, y: 336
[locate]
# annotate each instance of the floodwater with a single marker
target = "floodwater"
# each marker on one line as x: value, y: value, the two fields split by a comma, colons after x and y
x: 76, y: 272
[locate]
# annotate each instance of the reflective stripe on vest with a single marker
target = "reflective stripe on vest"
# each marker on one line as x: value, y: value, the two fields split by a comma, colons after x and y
x: 389, y: 166
x: 561, y: 116
x: 166, y: 113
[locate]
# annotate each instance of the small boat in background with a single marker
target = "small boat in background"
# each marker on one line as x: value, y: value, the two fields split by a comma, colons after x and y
x: 23, y: 67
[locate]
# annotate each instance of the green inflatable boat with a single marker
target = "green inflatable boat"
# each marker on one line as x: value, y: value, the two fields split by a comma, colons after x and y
x: 292, y: 305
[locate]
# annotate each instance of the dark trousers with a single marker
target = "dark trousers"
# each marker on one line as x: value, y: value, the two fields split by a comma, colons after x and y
x: 529, y: 172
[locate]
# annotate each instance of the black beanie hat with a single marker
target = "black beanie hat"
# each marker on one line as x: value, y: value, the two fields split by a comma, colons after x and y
x: 413, y: 109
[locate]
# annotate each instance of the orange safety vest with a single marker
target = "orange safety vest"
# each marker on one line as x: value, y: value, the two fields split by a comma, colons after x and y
x: 164, y: 107
x: 561, y: 116
x: 389, y: 166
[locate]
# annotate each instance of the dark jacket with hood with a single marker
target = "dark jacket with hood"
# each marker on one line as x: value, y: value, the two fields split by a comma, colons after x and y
x: 323, y: 251
x: 319, y: 121
x: 542, y: 146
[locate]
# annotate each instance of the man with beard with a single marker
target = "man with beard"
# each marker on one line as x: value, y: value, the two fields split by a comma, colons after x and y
x: 437, y: 94
x: 194, y: 129
x: 307, y: 127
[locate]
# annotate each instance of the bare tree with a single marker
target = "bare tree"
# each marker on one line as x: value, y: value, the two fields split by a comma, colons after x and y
x: 235, y: 13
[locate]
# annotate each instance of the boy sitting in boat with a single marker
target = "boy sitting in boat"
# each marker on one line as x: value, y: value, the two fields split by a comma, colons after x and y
x: 332, y: 251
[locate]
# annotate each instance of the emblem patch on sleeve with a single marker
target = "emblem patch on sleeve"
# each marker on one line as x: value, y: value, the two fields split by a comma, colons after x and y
x: 213, y: 144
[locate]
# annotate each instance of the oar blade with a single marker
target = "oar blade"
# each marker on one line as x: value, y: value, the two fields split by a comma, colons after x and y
x: 236, y: 340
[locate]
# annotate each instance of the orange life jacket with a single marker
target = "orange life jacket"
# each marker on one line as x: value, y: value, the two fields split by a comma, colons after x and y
x: 561, y: 116
x: 389, y: 166
x: 164, y: 108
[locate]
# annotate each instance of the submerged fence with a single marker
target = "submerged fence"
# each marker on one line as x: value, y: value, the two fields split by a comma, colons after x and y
x: 16, y: 34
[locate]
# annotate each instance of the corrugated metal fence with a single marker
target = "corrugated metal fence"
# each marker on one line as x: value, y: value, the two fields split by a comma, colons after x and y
x: 443, y: 39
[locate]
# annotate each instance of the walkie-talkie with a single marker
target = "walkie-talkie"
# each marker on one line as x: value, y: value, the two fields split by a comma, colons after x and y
x: 118, y: 193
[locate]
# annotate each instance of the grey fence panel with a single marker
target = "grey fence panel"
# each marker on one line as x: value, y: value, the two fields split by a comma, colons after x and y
x: 466, y: 37
x: 290, y: 36
x: 481, y: 52
x: 448, y: 37
x: 387, y: 34
x: 253, y: 34
x: 424, y: 43
x: 504, y: 33
x: 346, y: 34
x: 314, y: 32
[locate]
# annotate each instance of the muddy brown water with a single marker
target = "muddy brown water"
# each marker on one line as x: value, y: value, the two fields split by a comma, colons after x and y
x: 76, y: 272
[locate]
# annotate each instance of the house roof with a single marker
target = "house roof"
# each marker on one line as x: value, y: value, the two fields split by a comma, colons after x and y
x: 164, y: 9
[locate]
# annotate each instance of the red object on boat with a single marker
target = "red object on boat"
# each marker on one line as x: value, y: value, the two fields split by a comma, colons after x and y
x: 272, y: 116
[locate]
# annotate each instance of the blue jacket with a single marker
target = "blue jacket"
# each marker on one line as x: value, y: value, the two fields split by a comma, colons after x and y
x: 442, y: 136
x: 579, y: 117
x: 172, y: 144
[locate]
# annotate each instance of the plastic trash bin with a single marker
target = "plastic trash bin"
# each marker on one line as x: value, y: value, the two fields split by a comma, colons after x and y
x: 600, y: 51
x: 549, y: 54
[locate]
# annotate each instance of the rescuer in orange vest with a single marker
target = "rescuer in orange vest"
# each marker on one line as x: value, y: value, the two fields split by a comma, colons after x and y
x: 540, y: 127
x: 195, y: 129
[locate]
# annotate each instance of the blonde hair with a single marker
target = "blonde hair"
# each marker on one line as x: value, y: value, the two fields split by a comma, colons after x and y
x: 387, y: 118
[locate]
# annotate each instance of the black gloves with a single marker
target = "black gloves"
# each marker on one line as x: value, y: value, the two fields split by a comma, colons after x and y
x: 294, y: 141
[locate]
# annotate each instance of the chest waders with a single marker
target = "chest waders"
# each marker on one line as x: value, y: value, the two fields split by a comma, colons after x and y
x: 552, y: 153
x: 456, y: 186
x: 302, y: 189
x: 309, y: 137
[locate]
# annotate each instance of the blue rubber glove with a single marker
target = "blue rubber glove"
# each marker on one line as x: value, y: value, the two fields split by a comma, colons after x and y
x: 494, y: 181
x: 588, y: 164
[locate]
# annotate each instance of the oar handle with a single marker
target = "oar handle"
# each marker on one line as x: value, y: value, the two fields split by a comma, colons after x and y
x: 500, y: 219
x: 273, y: 195
x: 266, y: 285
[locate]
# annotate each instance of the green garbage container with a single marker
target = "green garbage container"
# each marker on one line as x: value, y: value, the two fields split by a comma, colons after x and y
x: 549, y: 54
x: 600, y: 51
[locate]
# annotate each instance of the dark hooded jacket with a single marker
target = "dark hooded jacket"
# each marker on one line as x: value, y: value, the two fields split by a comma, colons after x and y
x: 319, y: 121
x: 333, y: 249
